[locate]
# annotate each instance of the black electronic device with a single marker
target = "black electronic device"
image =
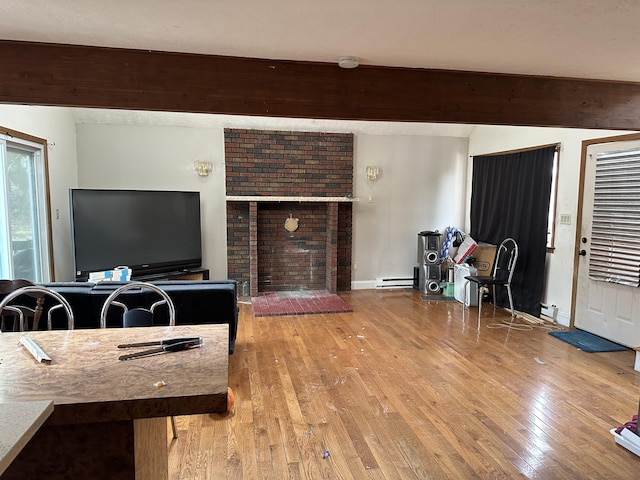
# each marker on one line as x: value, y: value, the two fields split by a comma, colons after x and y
x: 149, y: 231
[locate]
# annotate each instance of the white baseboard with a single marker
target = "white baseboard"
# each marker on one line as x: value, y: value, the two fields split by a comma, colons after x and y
x: 553, y: 313
x: 363, y: 285
x: 563, y: 319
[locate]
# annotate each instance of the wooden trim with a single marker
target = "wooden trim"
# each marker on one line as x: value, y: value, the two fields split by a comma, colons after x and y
x: 47, y: 201
x: 22, y: 136
x: 583, y: 166
x: 47, y: 193
x: 83, y: 76
x: 519, y: 150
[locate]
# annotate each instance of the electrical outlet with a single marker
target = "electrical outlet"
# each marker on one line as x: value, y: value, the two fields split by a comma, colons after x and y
x: 565, y: 219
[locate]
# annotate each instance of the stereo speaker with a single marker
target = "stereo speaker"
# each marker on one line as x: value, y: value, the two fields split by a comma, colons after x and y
x: 429, y: 278
x: 428, y: 248
x: 431, y: 256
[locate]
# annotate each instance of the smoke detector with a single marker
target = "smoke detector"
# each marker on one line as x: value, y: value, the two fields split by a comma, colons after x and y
x: 348, y: 62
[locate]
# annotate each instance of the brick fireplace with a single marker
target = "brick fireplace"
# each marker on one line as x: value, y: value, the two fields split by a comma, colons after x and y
x: 303, y: 178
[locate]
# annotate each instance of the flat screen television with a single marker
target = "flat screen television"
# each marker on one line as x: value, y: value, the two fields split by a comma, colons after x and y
x: 151, y: 232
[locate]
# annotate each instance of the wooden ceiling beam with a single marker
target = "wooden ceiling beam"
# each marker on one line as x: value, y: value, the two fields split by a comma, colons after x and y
x: 84, y: 76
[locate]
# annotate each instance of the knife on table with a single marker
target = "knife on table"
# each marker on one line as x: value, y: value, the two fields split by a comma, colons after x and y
x: 169, y: 341
x: 175, y: 346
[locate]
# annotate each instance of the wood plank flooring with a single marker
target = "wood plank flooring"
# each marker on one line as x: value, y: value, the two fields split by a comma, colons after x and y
x: 406, y: 389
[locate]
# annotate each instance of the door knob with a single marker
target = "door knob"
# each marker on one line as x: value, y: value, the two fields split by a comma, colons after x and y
x: 582, y: 253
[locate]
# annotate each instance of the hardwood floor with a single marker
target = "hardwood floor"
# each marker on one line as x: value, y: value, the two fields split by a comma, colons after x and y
x: 407, y: 389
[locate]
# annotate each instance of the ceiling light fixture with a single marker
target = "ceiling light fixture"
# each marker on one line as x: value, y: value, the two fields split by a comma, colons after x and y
x: 348, y: 62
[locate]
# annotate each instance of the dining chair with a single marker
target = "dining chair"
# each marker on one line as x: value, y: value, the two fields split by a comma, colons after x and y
x: 504, y: 265
x: 139, y: 317
x: 39, y: 293
x: 32, y: 312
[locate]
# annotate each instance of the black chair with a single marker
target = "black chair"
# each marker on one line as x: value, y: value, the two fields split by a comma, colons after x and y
x: 139, y: 317
x: 39, y: 293
x: 503, y: 266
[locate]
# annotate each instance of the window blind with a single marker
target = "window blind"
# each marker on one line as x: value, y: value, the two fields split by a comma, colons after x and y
x: 615, y: 237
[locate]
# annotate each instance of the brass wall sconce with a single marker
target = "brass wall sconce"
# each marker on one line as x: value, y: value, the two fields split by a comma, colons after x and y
x: 202, y: 168
x: 371, y: 172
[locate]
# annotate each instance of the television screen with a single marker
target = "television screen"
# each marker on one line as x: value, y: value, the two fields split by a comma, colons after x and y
x: 149, y: 231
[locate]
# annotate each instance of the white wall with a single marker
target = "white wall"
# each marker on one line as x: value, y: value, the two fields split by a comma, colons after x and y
x: 493, y: 139
x: 57, y: 126
x: 161, y: 158
x: 421, y: 186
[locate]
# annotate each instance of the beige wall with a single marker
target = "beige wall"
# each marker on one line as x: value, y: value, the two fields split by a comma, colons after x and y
x: 421, y: 187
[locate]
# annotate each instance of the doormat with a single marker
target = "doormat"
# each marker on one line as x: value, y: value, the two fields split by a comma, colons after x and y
x: 588, y: 342
x: 305, y: 302
x: 438, y: 298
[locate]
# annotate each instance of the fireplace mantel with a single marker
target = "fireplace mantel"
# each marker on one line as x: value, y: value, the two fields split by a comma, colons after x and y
x: 267, y: 198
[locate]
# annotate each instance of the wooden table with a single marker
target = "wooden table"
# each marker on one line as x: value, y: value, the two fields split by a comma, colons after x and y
x: 109, y: 417
x: 18, y: 423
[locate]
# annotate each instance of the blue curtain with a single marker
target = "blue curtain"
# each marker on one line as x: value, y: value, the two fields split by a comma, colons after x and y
x: 510, y: 198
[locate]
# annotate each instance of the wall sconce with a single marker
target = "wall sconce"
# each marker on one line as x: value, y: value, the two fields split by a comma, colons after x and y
x: 202, y: 168
x: 371, y: 172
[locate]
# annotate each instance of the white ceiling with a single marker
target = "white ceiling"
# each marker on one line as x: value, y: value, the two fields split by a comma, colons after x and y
x: 596, y: 39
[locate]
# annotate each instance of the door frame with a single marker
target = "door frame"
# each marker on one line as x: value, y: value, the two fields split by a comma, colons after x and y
x: 583, y: 166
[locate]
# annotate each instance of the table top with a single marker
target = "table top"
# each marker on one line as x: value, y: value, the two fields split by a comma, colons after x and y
x: 18, y: 423
x: 88, y: 383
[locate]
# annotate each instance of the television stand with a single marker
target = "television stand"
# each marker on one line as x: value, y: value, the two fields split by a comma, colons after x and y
x: 189, y: 274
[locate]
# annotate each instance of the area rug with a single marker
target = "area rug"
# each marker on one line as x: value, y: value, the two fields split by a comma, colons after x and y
x: 588, y: 342
x: 438, y: 298
x: 304, y: 302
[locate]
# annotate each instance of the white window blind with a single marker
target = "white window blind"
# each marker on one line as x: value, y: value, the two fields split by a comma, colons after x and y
x: 615, y: 237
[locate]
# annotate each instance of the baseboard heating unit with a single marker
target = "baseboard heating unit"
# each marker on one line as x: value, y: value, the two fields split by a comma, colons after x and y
x: 394, y: 282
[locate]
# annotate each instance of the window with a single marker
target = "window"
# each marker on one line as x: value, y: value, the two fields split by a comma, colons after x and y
x: 25, y: 235
x: 615, y: 244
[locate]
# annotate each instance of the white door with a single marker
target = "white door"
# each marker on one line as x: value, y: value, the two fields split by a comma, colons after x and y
x: 610, y: 246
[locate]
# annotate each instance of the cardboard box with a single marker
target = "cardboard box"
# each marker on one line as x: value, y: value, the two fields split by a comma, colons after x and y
x: 115, y: 275
x: 484, y: 255
x: 465, y: 249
